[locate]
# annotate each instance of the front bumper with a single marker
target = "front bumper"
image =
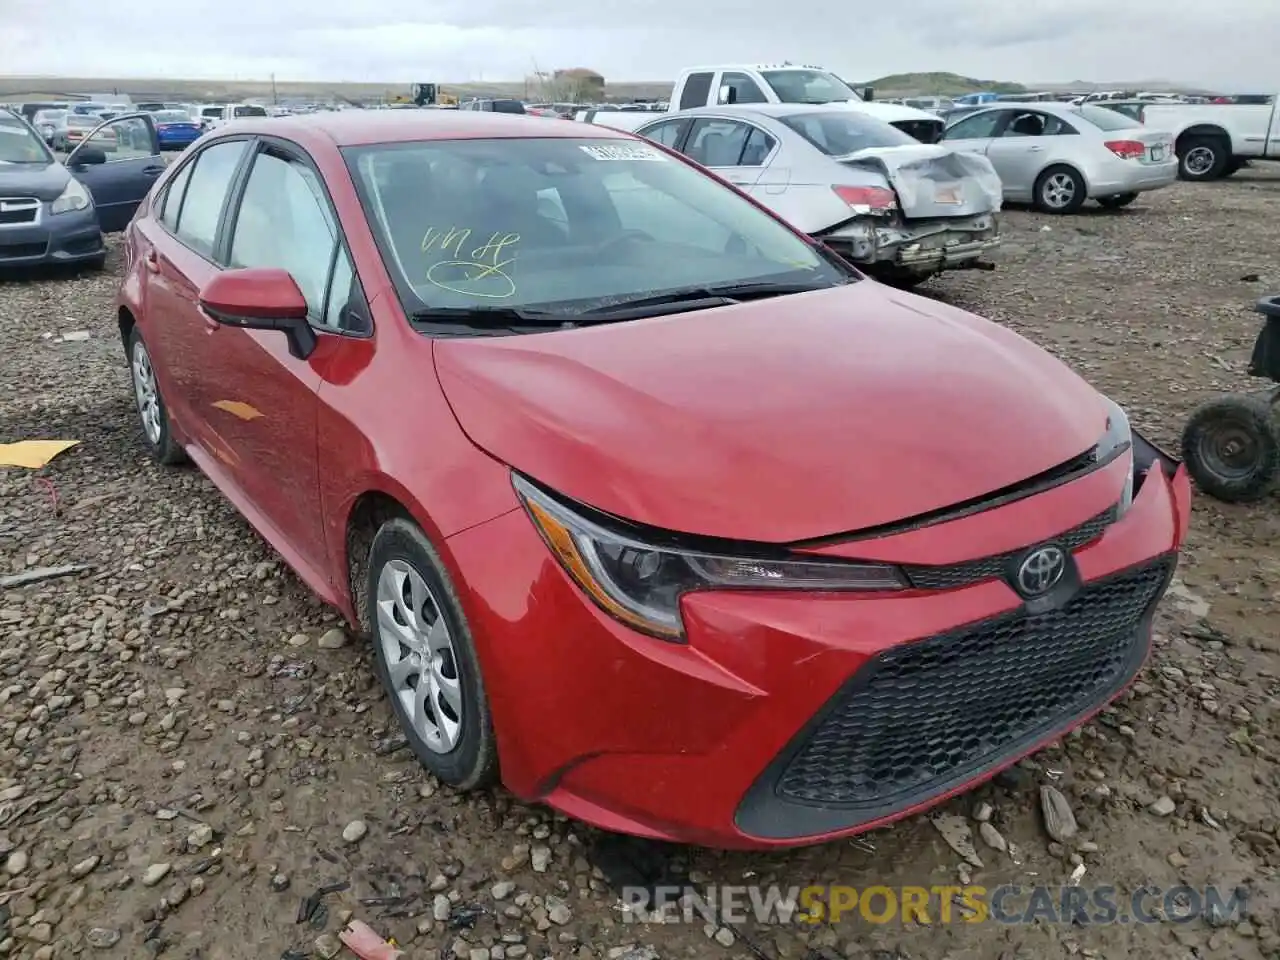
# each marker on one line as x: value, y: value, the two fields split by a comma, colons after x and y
x: 926, y: 247
x: 52, y: 239
x: 759, y: 732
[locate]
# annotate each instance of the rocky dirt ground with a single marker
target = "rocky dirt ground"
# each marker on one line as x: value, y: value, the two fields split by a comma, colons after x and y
x: 190, y: 748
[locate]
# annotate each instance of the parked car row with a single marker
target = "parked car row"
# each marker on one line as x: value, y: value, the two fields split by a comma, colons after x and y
x: 901, y: 198
x: 680, y: 457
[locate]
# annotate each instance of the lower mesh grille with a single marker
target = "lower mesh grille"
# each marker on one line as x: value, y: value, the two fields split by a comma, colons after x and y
x: 924, y: 716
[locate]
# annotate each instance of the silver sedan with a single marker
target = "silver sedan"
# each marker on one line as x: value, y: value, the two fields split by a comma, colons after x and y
x: 1057, y: 156
x: 900, y: 209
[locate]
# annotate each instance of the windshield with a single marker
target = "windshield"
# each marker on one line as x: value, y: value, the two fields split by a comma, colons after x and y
x: 251, y: 111
x: 211, y: 112
x: 83, y: 121
x: 170, y: 116
x: 89, y: 108
x: 19, y: 143
x: 808, y: 86
x: 565, y: 225
x: 1105, y: 119
x: 49, y: 116
x: 837, y: 133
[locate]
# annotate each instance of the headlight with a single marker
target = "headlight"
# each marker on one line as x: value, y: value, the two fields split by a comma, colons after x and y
x: 1118, y: 437
x: 74, y: 197
x: 640, y: 583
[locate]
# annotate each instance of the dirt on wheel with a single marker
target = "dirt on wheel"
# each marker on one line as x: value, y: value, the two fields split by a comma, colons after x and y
x: 197, y: 762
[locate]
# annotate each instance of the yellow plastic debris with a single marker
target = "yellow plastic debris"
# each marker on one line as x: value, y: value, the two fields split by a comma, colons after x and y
x: 32, y: 454
x: 239, y: 409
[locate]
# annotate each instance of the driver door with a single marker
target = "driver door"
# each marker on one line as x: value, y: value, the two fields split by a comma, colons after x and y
x: 118, y: 162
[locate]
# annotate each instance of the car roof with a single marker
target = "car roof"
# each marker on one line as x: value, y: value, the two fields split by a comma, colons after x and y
x: 1064, y: 110
x: 351, y: 128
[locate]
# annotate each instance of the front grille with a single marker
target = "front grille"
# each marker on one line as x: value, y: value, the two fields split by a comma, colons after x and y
x: 926, y: 716
x: 17, y: 210
x: 988, y: 568
x: 926, y: 131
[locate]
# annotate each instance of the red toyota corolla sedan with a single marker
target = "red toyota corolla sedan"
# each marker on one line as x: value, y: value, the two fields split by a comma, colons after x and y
x: 643, y: 499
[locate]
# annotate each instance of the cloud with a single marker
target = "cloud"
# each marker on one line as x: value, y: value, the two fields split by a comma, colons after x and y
x: 1229, y: 44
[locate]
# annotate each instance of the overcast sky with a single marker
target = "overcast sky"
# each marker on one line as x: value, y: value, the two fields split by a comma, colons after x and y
x: 1229, y: 44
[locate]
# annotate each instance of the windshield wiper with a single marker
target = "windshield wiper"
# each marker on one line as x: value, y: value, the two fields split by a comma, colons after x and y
x: 491, y: 318
x: 721, y: 295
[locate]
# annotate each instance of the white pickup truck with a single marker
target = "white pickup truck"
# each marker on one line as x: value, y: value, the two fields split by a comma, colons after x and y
x: 215, y: 115
x: 788, y: 83
x: 1215, y: 140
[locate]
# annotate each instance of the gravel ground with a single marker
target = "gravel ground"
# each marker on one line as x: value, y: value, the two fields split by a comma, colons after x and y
x: 191, y: 747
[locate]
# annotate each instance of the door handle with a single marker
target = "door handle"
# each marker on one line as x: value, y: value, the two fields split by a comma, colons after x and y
x: 1034, y: 149
x: 153, y: 171
x: 151, y: 261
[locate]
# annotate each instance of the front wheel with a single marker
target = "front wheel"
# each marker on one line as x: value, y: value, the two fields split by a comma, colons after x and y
x: 1231, y: 448
x: 1118, y: 201
x: 1060, y: 190
x: 427, y: 660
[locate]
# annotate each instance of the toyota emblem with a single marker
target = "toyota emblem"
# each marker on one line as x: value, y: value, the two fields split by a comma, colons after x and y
x: 1041, y: 570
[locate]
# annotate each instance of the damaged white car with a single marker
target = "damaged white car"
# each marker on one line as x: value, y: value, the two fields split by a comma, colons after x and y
x: 899, y: 209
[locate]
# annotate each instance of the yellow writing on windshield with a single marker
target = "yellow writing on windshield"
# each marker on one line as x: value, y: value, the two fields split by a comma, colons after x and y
x: 474, y: 271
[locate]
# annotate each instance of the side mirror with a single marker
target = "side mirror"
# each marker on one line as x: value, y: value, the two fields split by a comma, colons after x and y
x: 868, y: 94
x: 87, y: 157
x: 261, y: 298
x: 728, y: 94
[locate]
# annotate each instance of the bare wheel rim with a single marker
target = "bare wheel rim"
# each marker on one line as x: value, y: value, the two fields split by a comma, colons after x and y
x: 1229, y: 451
x: 1059, y: 190
x: 1199, y: 160
x: 146, y: 393
x: 422, y: 665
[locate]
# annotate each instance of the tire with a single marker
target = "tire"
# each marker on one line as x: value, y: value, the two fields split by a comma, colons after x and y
x: 1060, y: 190
x: 153, y: 415
x: 455, y: 741
x: 1232, y: 448
x: 1118, y: 201
x: 1202, y: 158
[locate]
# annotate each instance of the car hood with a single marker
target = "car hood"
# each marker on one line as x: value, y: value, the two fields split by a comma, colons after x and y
x: 776, y: 420
x: 45, y: 181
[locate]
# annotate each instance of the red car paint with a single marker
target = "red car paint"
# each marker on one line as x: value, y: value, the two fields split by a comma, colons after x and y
x: 771, y: 421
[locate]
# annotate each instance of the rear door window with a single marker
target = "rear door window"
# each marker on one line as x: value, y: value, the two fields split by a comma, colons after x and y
x: 697, y: 88
x: 207, y: 194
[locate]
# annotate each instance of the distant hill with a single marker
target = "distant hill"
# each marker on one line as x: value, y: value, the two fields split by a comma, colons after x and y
x: 939, y: 84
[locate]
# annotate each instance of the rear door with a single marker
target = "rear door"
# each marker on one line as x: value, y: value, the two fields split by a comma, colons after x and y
x: 182, y: 237
x: 132, y: 164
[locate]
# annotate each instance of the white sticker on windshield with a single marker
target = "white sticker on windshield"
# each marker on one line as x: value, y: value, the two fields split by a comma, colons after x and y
x: 632, y: 151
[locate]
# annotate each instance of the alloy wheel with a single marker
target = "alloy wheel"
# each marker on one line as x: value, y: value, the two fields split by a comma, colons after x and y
x: 146, y: 393
x: 422, y: 665
x: 1058, y: 191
